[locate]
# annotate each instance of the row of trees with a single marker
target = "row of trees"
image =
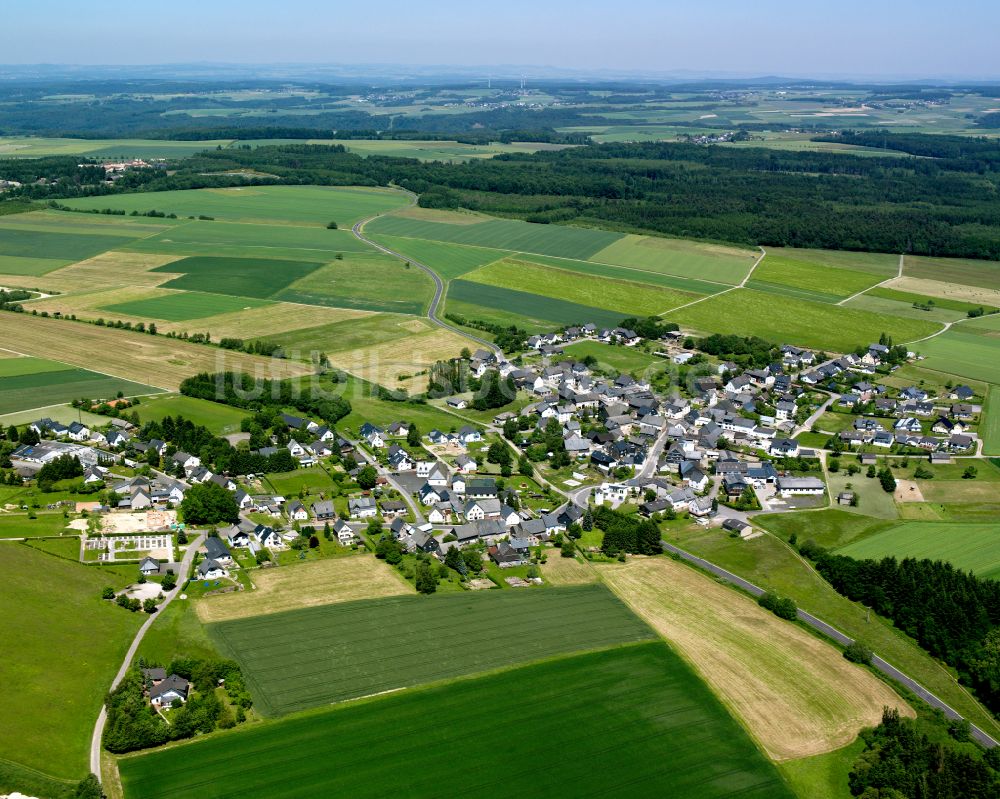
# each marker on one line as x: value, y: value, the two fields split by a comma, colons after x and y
x: 952, y: 614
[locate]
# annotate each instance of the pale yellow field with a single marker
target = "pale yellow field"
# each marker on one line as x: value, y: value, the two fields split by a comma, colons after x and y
x: 948, y: 291
x: 796, y: 694
x: 153, y: 360
x: 304, y: 585
x: 110, y: 270
x: 385, y: 363
x: 567, y: 571
x: 268, y: 320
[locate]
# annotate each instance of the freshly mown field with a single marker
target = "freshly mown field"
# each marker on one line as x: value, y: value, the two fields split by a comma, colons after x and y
x: 626, y: 297
x: 367, y: 282
x: 159, y: 361
x: 504, y: 234
x: 308, y: 205
x: 351, y: 334
x: 942, y: 304
x: 985, y: 274
x: 636, y: 721
x: 448, y: 260
x: 808, y: 279
x: 796, y: 693
x: 237, y: 277
x: 307, y: 585
x: 873, y: 302
x: 966, y: 351
x: 534, y: 309
x: 181, y: 307
x: 793, y: 321
x: 679, y: 257
x: 308, y: 658
x: 969, y: 546
x: 220, y: 419
x: 78, y: 651
x: 37, y: 382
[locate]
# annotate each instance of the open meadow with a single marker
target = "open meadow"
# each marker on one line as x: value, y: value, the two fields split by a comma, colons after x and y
x: 795, y: 693
x: 307, y: 658
x: 220, y: 419
x: 78, y: 651
x: 810, y: 278
x: 639, y: 711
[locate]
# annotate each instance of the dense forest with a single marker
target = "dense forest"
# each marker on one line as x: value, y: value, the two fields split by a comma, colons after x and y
x: 926, y: 206
x: 952, y: 614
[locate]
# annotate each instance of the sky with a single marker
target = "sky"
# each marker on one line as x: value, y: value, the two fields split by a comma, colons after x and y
x: 875, y: 38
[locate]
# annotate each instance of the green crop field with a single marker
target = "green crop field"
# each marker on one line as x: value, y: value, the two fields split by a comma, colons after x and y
x: 679, y: 257
x: 969, y: 546
x: 989, y: 426
x: 965, y: 351
x: 367, y: 282
x: 238, y: 277
x: 448, y: 260
x: 816, y: 281
x: 881, y: 264
x: 504, y: 234
x: 350, y: 334
x: 306, y: 205
x: 312, y: 657
x: 808, y: 324
x: 32, y: 147
x: 220, y: 419
x: 35, y: 252
x: 255, y: 240
x: 687, y: 284
x: 186, y: 305
x: 41, y: 728
x: 639, y: 712
x: 523, y: 307
x: 985, y: 274
x: 628, y: 298
x: 27, y: 383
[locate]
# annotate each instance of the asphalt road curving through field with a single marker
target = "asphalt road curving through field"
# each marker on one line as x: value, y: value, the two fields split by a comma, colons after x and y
x: 832, y: 632
x: 432, y: 309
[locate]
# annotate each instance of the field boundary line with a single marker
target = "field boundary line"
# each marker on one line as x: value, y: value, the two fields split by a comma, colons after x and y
x: 562, y: 258
x: 743, y: 282
x: 897, y: 276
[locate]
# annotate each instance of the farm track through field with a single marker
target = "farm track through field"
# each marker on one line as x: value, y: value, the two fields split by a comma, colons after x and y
x: 899, y: 274
x: 740, y: 285
x: 358, y: 231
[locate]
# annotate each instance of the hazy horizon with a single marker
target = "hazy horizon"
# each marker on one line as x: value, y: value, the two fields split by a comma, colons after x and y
x: 729, y: 39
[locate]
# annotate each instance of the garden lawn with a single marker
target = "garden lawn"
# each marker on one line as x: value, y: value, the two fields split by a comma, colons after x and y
x: 181, y: 306
x: 237, y: 277
x: 46, y: 646
x: 304, y: 205
x: 639, y: 712
x: 968, y: 546
x: 629, y: 298
x: 312, y: 657
x: 746, y: 312
x: 311, y: 479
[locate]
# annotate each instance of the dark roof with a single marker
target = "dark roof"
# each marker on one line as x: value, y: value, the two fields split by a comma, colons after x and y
x: 171, y: 683
x: 216, y: 549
